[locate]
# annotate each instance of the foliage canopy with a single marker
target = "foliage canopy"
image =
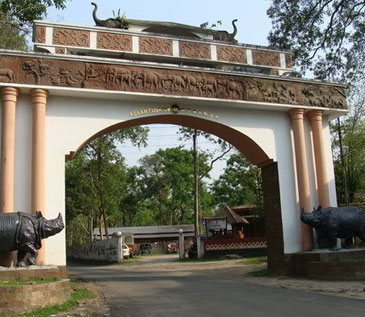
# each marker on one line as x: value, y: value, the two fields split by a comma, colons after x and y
x: 325, y: 36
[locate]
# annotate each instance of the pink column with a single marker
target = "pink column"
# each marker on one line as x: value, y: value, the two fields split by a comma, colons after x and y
x: 315, y: 118
x: 39, y: 102
x: 297, y: 118
x: 9, y: 99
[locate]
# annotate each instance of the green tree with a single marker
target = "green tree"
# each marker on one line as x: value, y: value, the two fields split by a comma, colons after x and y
x: 326, y: 37
x: 10, y: 38
x: 240, y: 183
x: 23, y: 12
x: 96, y: 178
x: 168, y: 178
x: 353, y: 146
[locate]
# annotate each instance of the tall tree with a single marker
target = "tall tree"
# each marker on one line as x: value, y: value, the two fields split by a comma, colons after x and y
x: 16, y: 17
x: 169, y: 184
x: 351, y: 162
x: 10, y: 37
x: 325, y: 36
x: 94, y: 179
x: 23, y: 12
x: 240, y: 183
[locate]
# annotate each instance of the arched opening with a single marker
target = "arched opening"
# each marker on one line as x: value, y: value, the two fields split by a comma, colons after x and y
x: 240, y: 141
x: 248, y: 148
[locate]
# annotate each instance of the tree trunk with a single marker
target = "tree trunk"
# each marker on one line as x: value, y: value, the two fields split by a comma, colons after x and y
x: 196, y: 183
x: 343, y: 164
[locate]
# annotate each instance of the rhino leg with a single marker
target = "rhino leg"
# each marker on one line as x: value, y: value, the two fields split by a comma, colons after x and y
x: 28, y: 248
x: 333, y: 241
x: 20, y: 257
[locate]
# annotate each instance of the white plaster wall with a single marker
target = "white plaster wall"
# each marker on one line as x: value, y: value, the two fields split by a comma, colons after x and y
x: 330, y: 167
x: 23, y: 152
x: 71, y: 121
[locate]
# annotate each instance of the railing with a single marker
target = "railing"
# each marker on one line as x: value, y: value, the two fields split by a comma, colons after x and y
x: 235, y: 244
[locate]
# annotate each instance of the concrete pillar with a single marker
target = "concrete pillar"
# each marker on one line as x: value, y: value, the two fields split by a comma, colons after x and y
x: 315, y: 118
x: 9, y: 99
x: 297, y: 118
x: 200, y: 247
x: 39, y: 102
x: 181, y: 244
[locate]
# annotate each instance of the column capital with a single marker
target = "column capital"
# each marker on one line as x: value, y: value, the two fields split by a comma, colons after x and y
x: 39, y: 95
x: 315, y: 115
x: 296, y: 114
x: 9, y: 94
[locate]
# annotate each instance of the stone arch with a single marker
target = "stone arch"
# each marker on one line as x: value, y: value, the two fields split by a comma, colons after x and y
x: 252, y: 151
x: 249, y: 148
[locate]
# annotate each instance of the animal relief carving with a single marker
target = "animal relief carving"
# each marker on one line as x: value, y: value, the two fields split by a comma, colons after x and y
x: 8, y: 74
x: 37, y: 68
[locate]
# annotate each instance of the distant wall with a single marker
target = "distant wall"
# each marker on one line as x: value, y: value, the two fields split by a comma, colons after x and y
x: 104, y: 251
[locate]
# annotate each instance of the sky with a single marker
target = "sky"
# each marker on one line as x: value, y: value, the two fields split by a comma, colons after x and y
x: 253, y: 28
x: 253, y: 24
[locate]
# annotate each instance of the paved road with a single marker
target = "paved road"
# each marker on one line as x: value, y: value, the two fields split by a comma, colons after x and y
x: 161, y: 287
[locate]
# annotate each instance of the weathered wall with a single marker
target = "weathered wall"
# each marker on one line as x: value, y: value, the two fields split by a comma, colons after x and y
x: 104, y: 251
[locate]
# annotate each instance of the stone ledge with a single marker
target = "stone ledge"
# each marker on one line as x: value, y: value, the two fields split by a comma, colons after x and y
x: 32, y: 272
x: 26, y: 298
x: 325, y: 264
x: 337, y: 270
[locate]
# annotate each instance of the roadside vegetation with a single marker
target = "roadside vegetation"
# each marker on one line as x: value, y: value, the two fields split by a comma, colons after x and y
x: 78, y: 294
x: 28, y: 282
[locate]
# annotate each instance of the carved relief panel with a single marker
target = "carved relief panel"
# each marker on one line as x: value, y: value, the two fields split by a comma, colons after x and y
x: 118, y: 42
x: 41, y: 34
x: 288, y: 61
x: 71, y: 37
x: 231, y: 54
x: 154, y: 45
x: 81, y: 74
x: 265, y: 58
x: 194, y: 50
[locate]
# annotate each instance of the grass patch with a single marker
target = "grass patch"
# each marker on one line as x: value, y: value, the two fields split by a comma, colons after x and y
x: 255, y: 260
x: 76, y: 295
x: 259, y: 273
x: 29, y: 282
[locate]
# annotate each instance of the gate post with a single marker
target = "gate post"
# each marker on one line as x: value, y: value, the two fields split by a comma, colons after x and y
x: 39, y: 102
x: 315, y: 119
x: 297, y: 118
x: 9, y: 98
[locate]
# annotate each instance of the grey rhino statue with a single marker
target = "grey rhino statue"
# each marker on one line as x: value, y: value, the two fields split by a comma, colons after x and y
x: 336, y: 222
x: 23, y: 232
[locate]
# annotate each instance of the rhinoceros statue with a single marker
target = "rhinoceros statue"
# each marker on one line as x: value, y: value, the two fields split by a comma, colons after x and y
x: 23, y: 232
x: 336, y: 222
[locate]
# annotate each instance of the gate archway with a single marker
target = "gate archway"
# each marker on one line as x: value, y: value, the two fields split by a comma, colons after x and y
x: 53, y: 103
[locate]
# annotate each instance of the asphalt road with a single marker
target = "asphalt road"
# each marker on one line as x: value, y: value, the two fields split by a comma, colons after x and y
x: 160, y: 287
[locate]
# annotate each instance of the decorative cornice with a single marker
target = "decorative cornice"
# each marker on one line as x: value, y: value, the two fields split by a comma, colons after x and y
x: 60, y: 72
